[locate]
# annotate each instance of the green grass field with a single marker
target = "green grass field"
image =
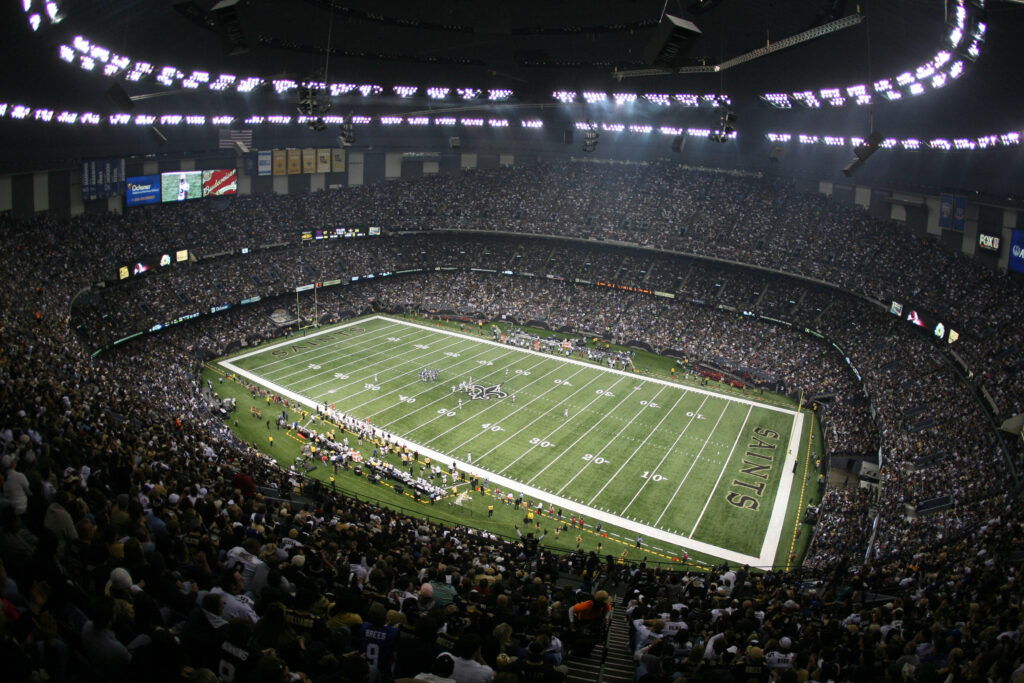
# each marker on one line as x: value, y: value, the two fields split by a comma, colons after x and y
x: 682, y: 466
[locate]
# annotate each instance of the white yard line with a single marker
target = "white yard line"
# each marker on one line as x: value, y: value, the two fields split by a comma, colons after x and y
x: 609, y: 442
x: 637, y: 449
x: 579, y: 438
x: 670, y: 450
x: 725, y: 465
x: 649, y: 532
x: 693, y: 464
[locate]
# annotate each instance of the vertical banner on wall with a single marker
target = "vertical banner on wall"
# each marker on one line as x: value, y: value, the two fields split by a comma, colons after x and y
x: 959, y: 213
x: 280, y: 162
x: 102, y: 178
x: 309, y: 160
x: 294, y: 161
x: 338, y: 160
x: 1017, y: 252
x: 265, y: 164
x: 323, y: 160
x: 946, y: 211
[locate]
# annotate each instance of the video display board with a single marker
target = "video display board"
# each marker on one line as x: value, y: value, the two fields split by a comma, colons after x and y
x: 178, y: 186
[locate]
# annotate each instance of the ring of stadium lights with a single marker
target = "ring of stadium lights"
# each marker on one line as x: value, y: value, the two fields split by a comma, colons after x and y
x: 966, y: 38
x: 1008, y: 139
x: 21, y: 112
x: 92, y: 57
x: 591, y: 97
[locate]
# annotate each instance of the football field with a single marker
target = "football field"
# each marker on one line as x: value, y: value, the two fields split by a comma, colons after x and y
x: 690, y: 467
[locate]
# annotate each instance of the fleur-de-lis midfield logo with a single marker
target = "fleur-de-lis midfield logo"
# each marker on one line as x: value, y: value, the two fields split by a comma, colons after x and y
x: 479, y: 391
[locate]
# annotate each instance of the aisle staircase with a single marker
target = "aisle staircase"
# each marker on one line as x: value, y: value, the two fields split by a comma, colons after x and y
x: 610, y: 663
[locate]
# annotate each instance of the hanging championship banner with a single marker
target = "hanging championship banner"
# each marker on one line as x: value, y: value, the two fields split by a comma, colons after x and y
x: 280, y: 162
x: 338, y: 160
x: 264, y: 164
x: 294, y: 161
x: 309, y: 160
x: 946, y: 211
x: 959, y: 213
x: 323, y: 160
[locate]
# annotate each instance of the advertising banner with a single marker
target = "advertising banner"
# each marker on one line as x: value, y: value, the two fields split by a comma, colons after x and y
x: 143, y: 189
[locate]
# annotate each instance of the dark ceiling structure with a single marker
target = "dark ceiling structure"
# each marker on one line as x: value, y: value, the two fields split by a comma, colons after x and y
x: 530, y: 47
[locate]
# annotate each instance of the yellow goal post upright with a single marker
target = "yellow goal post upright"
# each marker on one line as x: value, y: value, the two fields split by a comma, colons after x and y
x: 315, y: 320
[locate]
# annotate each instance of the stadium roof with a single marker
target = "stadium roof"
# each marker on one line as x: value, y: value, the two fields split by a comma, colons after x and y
x: 529, y: 47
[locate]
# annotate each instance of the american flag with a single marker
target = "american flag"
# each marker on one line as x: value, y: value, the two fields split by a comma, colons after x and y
x: 229, y: 137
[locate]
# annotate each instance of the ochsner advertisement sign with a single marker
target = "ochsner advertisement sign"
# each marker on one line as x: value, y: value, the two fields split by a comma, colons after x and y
x: 143, y: 189
x: 1017, y: 251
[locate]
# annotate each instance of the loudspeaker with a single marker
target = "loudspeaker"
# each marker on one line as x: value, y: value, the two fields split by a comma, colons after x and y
x: 776, y: 154
x: 119, y: 98
x: 454, y: 142
x: 399, y: 488
x: 852, y: 167
x: 868, y: 147
x: 567, y: 136
x: 678, y: 142
x: 160, y: 138
x: 671, y: 42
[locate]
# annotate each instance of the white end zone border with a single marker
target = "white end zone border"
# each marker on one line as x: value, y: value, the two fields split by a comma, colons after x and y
x: 775, y: 526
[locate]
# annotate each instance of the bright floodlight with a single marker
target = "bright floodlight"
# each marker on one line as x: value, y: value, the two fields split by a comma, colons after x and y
x: 341, y: 88
x: 43, y: 114
x: 533, y: 123
x: 564, y: 96
x: 499, y: 94
x: 253, y: 120
x: 444, y: 121
x: 636, y: 128
x: 390, y: 120
x: 405, y: 90
x: 170, y: 119
x: 624, y: 97
x: 594, y: 97
x: 497, y: 123
x: 437, y: 93
x: 472, y: 122
x: 418, y: 121
x: 688, y: 100
x: 911, y: 143
x: 916, y: 88
x: 34, y: 21
x: 469, y: 93
x: 659, y: 99
x: 669, y: 130
x: 367, y: 90
x: 222, y: 120
x: 940, y: 143
x: 67, y: 53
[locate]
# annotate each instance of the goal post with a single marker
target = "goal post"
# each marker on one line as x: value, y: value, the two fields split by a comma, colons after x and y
x: 312, y: 307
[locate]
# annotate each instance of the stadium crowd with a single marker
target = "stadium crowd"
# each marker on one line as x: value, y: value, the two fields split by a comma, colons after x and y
x: 140, y: 537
